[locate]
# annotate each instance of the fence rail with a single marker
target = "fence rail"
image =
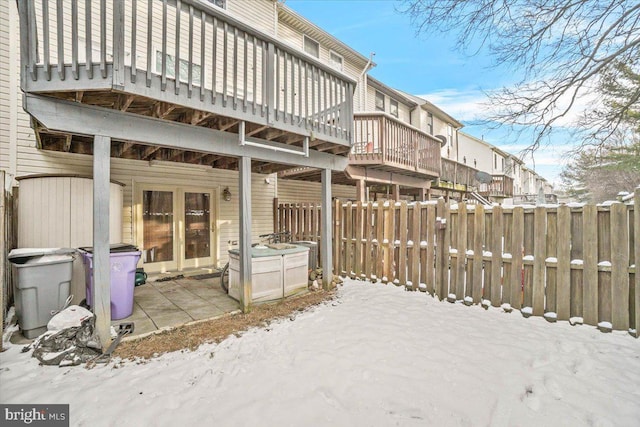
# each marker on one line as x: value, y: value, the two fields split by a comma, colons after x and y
x: 184, y: 52
x: 564, y: 262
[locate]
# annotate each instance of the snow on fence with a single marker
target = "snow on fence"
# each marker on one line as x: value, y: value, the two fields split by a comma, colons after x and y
x: 564, y: 262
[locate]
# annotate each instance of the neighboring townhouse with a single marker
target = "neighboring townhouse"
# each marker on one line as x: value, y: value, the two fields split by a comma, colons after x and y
x: 395, y: 153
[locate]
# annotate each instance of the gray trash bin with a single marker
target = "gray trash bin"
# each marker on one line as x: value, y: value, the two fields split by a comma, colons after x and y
x: 42, y: 280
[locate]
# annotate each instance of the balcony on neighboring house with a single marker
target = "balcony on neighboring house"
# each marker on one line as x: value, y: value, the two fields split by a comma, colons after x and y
x: 500, y: 187
x: 385, y: 143
x: 182, y: 61
x: 458, y: 177
x: 385, y: 151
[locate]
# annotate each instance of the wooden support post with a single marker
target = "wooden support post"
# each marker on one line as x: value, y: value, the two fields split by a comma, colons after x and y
x: 361, y: 190
x: 101, y: 261
x: 396, y: 192
x: 244, y: 220
x: 325, y: 230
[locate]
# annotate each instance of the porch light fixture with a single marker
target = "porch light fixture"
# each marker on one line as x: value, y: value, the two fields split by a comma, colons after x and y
x: 226, y: 194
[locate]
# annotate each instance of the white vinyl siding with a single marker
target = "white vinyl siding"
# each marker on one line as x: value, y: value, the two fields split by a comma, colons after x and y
x: 294, y: 38
x: 294, y: 191
x: 257, y: 13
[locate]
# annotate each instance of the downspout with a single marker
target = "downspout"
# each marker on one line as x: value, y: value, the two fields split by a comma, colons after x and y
x: 363, y: 79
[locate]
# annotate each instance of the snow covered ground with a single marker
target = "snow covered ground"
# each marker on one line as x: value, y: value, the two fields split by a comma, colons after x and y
x: 378, y: 356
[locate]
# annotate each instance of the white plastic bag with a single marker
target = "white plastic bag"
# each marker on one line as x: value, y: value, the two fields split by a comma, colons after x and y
x: 71, y: 316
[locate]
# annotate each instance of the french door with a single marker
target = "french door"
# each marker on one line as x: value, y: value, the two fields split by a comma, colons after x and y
x: 175, y: 227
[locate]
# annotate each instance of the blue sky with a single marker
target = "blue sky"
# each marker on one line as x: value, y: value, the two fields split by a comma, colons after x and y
x: 426, y: 65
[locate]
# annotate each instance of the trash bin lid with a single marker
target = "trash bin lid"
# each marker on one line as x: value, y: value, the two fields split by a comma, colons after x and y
x: 114, y: 248
x: 39, y: 255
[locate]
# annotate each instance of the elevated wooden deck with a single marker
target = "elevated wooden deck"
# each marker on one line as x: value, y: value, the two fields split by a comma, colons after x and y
x: 457, y: 176
x: 182, y: 61
x: 386, y: 150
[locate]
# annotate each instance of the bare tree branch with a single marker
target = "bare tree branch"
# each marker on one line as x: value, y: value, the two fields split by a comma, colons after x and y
x: 560, y: 48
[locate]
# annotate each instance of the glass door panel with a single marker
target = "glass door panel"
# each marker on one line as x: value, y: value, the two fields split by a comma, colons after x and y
x: 198, y: 236
x: 197, y: 220
x: 158, y: 226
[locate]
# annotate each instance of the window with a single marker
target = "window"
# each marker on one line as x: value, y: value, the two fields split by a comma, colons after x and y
x: 495, y: 161
x: 311, y: 46
x: 220, y: 3
x: 379, y: 101
x: 335, y: 60
x: 196, y: 69
x: 430, y: 123
x: 393, y: 107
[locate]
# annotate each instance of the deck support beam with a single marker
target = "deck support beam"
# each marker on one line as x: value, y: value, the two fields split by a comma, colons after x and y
x: 326, y: 255
x: 244, y: 220
x: 54, y: 114
x: 101, y: 261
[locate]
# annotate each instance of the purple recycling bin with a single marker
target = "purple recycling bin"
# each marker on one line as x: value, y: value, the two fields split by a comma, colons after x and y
x: 123, y: 260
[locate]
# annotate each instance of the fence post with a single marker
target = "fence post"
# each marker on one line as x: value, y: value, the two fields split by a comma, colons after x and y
x: 358, y: 236
x: 415, y: 255
x: 348, y: 235
x: 386, y: 243
x: 619, y: 267
x: 430, y: 237
x: 379, y: 233
x: 590, y: 265
x: 368, y: 213
x: 442, y: 249
x: 478, y: 237
x: 462, y: 250
x: 497, y: 229
x: 563, y: 272
x: 539, y: 248
x: 636, y: 240
x: 517, y: 242
x: 337, y: 237
x: 402, y: 259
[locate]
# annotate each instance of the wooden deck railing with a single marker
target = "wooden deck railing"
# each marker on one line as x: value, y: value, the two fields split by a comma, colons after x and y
x: 385, y: 140
x: 459, y: 173
x: 500, y: 186
x: 184, y: 52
